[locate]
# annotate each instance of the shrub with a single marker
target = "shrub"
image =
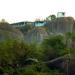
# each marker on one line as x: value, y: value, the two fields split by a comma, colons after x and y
x: 53, y: 47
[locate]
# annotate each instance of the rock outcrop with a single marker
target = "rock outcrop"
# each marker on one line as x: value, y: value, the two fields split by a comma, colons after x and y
x: 8, y: 32
x: 60, y: 25
x: 36, y: 35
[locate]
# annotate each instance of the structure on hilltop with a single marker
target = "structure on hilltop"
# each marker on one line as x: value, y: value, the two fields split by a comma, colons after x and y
x: 60, y: 14
x: 22, y: 24
x: 42, y: 29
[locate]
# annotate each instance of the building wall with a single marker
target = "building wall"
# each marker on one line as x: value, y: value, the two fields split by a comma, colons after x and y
x: 61, y: 14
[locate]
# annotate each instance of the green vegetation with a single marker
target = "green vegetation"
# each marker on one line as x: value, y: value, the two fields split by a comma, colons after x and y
x: 14, y: 56
x: 20, y: 58
x: 52, y: 56
x: 54, y: 47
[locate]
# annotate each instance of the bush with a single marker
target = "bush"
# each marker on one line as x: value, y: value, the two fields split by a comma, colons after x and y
x: 31, y: 70
x: 53, y: 47
x: 13, y: 53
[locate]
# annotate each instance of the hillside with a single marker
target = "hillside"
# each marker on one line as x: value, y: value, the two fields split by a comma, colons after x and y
x: 37, y: 34
x: 8, y: 32
x: 52, y: 27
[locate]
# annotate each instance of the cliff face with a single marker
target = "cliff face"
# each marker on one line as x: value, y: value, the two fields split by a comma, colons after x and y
x: 60, y: 25
x: 56, y: 26
x: 53, y: 27
x: 36, y: 35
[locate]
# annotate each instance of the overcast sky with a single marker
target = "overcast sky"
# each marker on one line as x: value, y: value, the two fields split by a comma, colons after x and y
x: 29, y: 10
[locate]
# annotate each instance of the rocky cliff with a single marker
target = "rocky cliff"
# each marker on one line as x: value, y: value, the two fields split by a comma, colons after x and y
x: 37, y: 34
x: 8, y: 32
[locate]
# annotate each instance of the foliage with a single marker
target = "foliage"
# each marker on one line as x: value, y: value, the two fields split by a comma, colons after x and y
x: 70, y: 42
x: 31, y: 70
x: 51, y: 17
x: 14, y: 53
x: 53, y: 47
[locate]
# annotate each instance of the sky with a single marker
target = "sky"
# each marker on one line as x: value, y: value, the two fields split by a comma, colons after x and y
x: 29, y: 10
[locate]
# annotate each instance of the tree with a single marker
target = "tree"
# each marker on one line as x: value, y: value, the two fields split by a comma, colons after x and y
x: 51, y: 17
